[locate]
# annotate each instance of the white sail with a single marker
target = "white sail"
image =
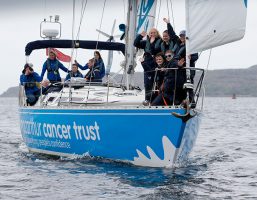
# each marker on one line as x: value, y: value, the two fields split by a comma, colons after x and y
x: 212, y: 23
x: 146, y: 10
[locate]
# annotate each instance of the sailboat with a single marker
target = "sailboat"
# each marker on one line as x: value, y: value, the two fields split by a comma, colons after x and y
x: 108, y: 120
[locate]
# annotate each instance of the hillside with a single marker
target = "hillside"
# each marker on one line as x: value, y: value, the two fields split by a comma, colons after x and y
x: 242, y: 82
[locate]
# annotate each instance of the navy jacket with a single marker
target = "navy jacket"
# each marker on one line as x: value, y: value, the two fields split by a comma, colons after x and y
x: 99, y: 64
x: 163, y: 47
x: 142, y: 44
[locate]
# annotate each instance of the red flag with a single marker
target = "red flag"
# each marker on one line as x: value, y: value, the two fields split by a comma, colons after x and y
x: 59, y: 55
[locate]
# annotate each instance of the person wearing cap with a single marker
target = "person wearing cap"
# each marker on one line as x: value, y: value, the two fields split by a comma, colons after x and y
x: 74, y: 72
x: 180, y: 52
x: 52, y: 66
x: 29, y: 80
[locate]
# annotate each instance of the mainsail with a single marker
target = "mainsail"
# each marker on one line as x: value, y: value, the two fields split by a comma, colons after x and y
x: 212, y: 23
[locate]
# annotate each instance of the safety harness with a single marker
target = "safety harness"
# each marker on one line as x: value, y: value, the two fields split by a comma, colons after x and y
x: 55, y: 68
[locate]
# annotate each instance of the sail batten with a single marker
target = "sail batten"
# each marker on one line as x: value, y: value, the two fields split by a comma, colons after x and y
x: 212, y: 23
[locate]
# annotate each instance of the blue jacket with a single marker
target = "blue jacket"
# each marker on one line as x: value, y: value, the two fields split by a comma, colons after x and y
x: 94, y: 75
x: 99, y: 64
x: 71, y: 74
x: 52, y: 68
x: 29, y: 82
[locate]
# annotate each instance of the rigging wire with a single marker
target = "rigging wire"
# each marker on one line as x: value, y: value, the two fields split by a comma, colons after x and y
x: 100, y: 27
x: 208, y: 63
x: 207, y: 68
x: 73, y: 27
x: 82, y: 12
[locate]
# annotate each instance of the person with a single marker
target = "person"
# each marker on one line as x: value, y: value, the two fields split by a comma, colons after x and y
x: 169, y: 38
x: 48, y: 87
x: 52, y: 66
x: 74, y: 72
x: 150, y: 46
x: 98, y: 63
x: 29, y: 80
x: 159, y: 73
x: 94, y: 73
x: 180, y: 52
x: 166, y: 93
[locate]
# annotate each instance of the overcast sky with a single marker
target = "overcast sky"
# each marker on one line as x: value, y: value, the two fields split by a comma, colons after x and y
x: 20, y: 22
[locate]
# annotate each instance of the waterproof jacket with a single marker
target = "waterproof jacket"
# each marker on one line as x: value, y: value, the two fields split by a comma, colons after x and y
x: 94, y: 75
x: 72, y: 74
x: 52, y: 67
x: 159, y: 76
x: 181, y: 53
x: 29, y: 82
x: 98, y: 64
x: 171, y: 45
x: 151, y: 48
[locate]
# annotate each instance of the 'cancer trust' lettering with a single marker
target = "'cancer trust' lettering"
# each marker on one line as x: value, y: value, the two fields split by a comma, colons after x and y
x: 61, y: 131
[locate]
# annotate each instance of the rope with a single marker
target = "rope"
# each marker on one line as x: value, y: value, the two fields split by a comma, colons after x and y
x: 100, y: 27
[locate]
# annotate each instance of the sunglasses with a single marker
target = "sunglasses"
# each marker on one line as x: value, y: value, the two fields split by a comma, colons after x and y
x: 168, y: 56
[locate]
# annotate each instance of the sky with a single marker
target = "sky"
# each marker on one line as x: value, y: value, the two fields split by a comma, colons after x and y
x: 20, y: 24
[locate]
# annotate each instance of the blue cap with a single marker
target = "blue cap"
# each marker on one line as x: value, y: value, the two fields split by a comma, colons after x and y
x: 183, y: 32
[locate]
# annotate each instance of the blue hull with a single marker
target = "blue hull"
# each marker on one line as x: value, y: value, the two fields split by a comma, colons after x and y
x: 145, y: 137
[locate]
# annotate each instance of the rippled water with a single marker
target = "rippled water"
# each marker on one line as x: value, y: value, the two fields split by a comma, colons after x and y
x: 223, y: 164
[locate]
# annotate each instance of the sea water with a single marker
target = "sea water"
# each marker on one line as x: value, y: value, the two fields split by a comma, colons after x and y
x: 223, y: 164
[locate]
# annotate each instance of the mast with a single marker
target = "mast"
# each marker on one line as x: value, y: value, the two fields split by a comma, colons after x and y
x: 141, y: 17
x: 130, y: 36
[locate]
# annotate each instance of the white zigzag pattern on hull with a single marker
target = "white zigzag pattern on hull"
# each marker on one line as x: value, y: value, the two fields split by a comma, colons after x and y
x: 154, y: 161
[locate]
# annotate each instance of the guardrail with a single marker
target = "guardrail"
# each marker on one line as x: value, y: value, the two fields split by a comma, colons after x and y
x: 70, y: 92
